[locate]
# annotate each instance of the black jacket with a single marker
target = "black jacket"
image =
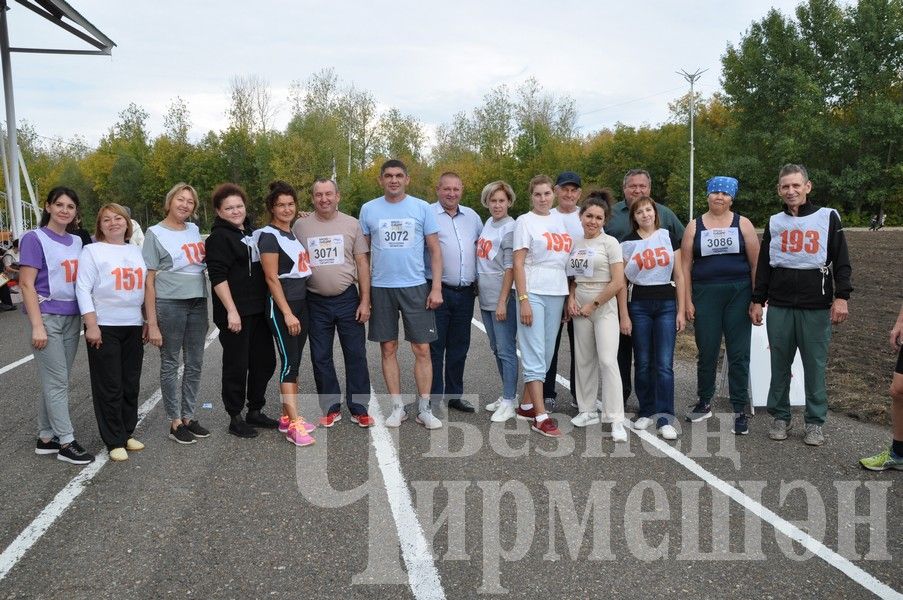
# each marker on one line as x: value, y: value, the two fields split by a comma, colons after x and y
x: 805, y: 288
x: 229, y: 259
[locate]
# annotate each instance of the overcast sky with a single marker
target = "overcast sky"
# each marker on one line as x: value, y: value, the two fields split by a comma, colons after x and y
x: 429, y: 59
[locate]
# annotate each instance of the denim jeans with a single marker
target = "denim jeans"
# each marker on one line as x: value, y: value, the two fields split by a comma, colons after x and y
x: 654, y: 333
x: 449, y: 351
x: 54, y: 363
x: 183, y: 325
x: 537, y: 341
x: 328, y: 315
x: 503, y: 342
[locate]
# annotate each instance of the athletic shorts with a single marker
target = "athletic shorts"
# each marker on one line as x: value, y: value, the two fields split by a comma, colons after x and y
x: 386, y: 303
x: 899, y: 368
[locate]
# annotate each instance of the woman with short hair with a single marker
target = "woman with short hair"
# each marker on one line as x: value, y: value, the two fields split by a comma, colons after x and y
x: 110, y: 290
x: 175, y: 300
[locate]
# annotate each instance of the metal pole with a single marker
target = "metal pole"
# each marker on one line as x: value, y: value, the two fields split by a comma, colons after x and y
x: 14, y: 194
x: 692, y: 77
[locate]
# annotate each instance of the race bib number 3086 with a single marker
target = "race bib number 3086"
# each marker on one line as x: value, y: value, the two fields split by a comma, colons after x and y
x: 719, y: 241
x: 397, y: 233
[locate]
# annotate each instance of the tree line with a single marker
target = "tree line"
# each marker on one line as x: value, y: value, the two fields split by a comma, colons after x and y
x: 823, y: 87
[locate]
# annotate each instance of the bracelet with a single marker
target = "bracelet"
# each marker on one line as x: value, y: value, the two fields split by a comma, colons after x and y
x: 522, y: 297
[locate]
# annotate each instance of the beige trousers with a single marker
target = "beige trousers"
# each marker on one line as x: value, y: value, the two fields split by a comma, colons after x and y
x: 596, y: 341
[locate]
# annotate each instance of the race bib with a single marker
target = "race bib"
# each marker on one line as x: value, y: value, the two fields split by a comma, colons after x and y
x: 326, y: 250
x: 580, y: 264
x: 397, y: 233
x: 719, y: 241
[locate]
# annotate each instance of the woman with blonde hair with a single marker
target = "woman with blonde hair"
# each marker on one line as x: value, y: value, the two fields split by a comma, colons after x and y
x: 175, y: 299
x: 495, y: 270
x: 110, y: 291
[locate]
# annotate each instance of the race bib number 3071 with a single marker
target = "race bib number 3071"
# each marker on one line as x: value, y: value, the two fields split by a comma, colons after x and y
x: 326, y: 250
x: 397, y: 233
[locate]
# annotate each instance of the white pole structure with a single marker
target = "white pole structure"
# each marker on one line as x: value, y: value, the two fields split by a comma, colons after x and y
x: 13, y: 191
x: 692, y: 77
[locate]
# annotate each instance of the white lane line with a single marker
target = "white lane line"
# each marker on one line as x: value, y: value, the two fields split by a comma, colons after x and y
x: 22, y: 361
x: 64, y: 499
x: 857, y: 574
x: 422, y: 573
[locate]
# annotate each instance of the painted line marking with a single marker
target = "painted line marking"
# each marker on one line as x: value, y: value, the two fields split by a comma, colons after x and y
x: 422, y: 573
x: 857, y: 574
x: 23, y: 360
x: 64, y: 499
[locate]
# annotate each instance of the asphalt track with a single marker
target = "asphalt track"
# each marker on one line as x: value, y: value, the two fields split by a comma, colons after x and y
x: 466, y: 511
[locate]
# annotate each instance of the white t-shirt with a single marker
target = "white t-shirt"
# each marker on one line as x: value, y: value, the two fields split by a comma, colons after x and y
x: 110, y: 283
x: 572, y: 222
x: 591, y: 259
x: 548, y: 245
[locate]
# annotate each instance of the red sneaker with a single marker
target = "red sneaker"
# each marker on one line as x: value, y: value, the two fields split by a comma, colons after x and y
x: 547, y: 427
x: 330, y: 419
x: 363, y: 420
x: 526, y: 415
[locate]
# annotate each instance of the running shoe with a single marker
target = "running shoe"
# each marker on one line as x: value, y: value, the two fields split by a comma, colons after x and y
x: 75, y: 454
x: 741, y: 424
x: 331, y: 419
x: 399, y: 414
x: 882, y: 462
x: 363, y: 420
x: 585, y: 419
x: 284, y: 423
x: 51, y: 447
x: 428, y: 420
x: 298, y: 434
x: 700, y: 412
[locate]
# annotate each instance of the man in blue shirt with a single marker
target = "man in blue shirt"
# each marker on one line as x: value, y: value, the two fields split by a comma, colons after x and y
x: 398, y: 228
x: 459, y: 230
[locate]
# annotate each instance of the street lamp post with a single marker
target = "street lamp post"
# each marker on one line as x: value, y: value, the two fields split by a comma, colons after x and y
x: 692, y: 77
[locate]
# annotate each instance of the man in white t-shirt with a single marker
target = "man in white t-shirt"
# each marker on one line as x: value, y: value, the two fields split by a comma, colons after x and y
x: 459, y: 230
x: 568, y: 188
x: 398, y: 228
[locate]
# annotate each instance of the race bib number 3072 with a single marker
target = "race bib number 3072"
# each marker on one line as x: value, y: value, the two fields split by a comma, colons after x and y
x: 397, y: 233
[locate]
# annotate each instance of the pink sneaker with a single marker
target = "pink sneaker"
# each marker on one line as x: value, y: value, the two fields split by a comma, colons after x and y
x: 284, y: 424
x: 297, y: 435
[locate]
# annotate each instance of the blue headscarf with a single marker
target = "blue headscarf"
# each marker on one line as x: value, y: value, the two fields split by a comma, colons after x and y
x: 728, y: 185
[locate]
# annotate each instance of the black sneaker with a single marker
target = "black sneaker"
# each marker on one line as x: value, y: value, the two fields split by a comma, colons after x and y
x: 181, y: 434
x: 75, y: 454
x: 258, y: 419
x: 741, y: 423
x: 196, y: 430
x: 239, y: 428
x: 51, y: 447
x: 700, y: 412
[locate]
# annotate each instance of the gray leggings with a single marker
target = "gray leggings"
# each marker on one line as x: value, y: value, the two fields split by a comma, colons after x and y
x: 183, y: 325
x: 54, y: 364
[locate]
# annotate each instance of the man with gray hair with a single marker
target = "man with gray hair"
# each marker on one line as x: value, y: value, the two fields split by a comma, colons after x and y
x: 637, y: 184
x: 339, y: 258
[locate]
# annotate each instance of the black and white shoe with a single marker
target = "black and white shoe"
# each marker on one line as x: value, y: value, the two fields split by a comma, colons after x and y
x: 51, y: 447
x: 196, y: 430
x: 700, y: 412
x: 181, y: 435
x: 75, y: 454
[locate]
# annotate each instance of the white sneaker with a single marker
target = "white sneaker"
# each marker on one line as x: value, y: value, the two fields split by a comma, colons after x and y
x: 494, y: 406
x: 667, y: 432
x: 504, y: 412
x: 642, y: 423
x: 398, y: 415
x: 618, y: 433
x: 428, y: 420
x: 585, y: 419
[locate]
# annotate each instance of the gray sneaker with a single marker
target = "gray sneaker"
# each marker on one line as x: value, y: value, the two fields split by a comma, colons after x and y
x: 814, y: 436
x: 779, y: 429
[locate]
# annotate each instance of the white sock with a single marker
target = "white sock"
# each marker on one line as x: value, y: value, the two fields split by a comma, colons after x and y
x: 508, y: 401
x: 424, y: 404
x: 397, y: 403
x: 542, y: 417
x: 526, y: 406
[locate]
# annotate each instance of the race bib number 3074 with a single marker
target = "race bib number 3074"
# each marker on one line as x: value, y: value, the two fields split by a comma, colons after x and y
x: 397, y: 233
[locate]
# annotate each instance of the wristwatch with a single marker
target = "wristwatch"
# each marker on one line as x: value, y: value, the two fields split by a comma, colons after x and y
x: 522, y: 297
x: 596, y: 303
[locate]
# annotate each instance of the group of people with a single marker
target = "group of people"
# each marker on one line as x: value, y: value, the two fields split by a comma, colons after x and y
x: 623, y: 278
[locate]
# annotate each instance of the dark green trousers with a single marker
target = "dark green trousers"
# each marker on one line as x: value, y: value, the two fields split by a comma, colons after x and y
x: 722, y: 309
x: 810, y: 331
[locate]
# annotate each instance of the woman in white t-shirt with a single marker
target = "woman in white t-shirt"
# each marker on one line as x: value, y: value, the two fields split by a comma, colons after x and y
x: 541, y: 250
x: 176, y: 305
x: 598, y: 275
x: 110, y: 291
